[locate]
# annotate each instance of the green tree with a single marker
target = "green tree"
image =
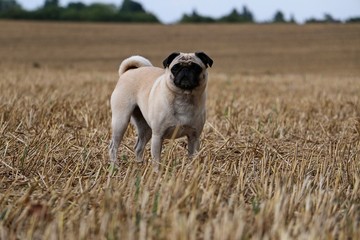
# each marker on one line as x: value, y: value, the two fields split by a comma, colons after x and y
x: 279, y: 17
x: 131, y: 11
x: 94, y: 12
x: 50, y: 11
x: 235, y: 17
x: 131, y: 6
x: 353, y: 20
x: 194, y: 17
x: 76, y: 6
x: 247, y: 15
x: 99, y: 12
x: 8, y: 5
x: 10, y: 9
x: 74, y: 11
x: 292, y: 19
x: 51, y: 3
x: 327, y: 19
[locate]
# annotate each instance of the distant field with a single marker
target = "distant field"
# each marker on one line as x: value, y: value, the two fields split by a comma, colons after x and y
x: 246, y: 49
x: 280, y: 152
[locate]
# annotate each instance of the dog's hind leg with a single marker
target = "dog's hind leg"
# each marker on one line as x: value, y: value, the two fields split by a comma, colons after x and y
x: 143, y: 131
x: 119, y: 124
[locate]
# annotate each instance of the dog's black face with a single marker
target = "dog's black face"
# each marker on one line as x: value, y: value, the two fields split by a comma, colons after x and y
x: 188, y: 70
x: 186, y: 75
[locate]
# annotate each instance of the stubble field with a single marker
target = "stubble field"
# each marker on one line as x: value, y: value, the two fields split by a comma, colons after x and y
x: 280, y: 151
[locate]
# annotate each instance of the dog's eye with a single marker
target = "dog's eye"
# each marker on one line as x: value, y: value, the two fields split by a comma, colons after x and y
x: 175, y: 68
x: 196, y: 68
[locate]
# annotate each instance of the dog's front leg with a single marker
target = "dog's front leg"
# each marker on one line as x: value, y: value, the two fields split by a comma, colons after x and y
x: 156, y: 145
x: 193, y: 145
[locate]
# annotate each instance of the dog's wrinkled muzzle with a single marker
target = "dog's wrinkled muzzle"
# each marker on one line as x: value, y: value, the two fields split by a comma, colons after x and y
x: 186, y: 76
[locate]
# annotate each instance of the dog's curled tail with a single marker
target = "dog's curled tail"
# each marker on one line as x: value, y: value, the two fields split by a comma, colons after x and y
x: 132, y: 63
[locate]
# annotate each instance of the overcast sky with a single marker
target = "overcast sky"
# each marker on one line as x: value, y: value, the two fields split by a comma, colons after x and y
x: 171, y: 10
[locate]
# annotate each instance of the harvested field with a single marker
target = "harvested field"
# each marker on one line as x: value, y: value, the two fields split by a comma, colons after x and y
x: 280, y: 151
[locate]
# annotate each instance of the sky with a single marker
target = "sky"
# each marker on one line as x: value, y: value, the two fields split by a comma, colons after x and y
x: 169, y: 11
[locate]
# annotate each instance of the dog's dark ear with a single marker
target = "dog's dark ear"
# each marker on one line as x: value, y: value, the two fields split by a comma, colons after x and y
x: 205, y: 59
x: 170, y: 58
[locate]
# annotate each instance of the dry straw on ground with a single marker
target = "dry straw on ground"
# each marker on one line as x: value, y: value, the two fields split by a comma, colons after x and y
x: 279, y: 157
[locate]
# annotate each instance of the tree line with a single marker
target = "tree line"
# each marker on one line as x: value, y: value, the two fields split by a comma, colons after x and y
x: 132, y: 11
x: 247, y: 17
x: 129, y: 11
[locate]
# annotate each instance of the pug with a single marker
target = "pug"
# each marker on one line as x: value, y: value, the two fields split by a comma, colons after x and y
x: 162, y: 103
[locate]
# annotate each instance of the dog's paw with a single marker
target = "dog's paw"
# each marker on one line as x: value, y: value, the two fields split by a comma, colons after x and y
x: 156, y: 167
x: 113, y: 168
x: 139, y: 159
